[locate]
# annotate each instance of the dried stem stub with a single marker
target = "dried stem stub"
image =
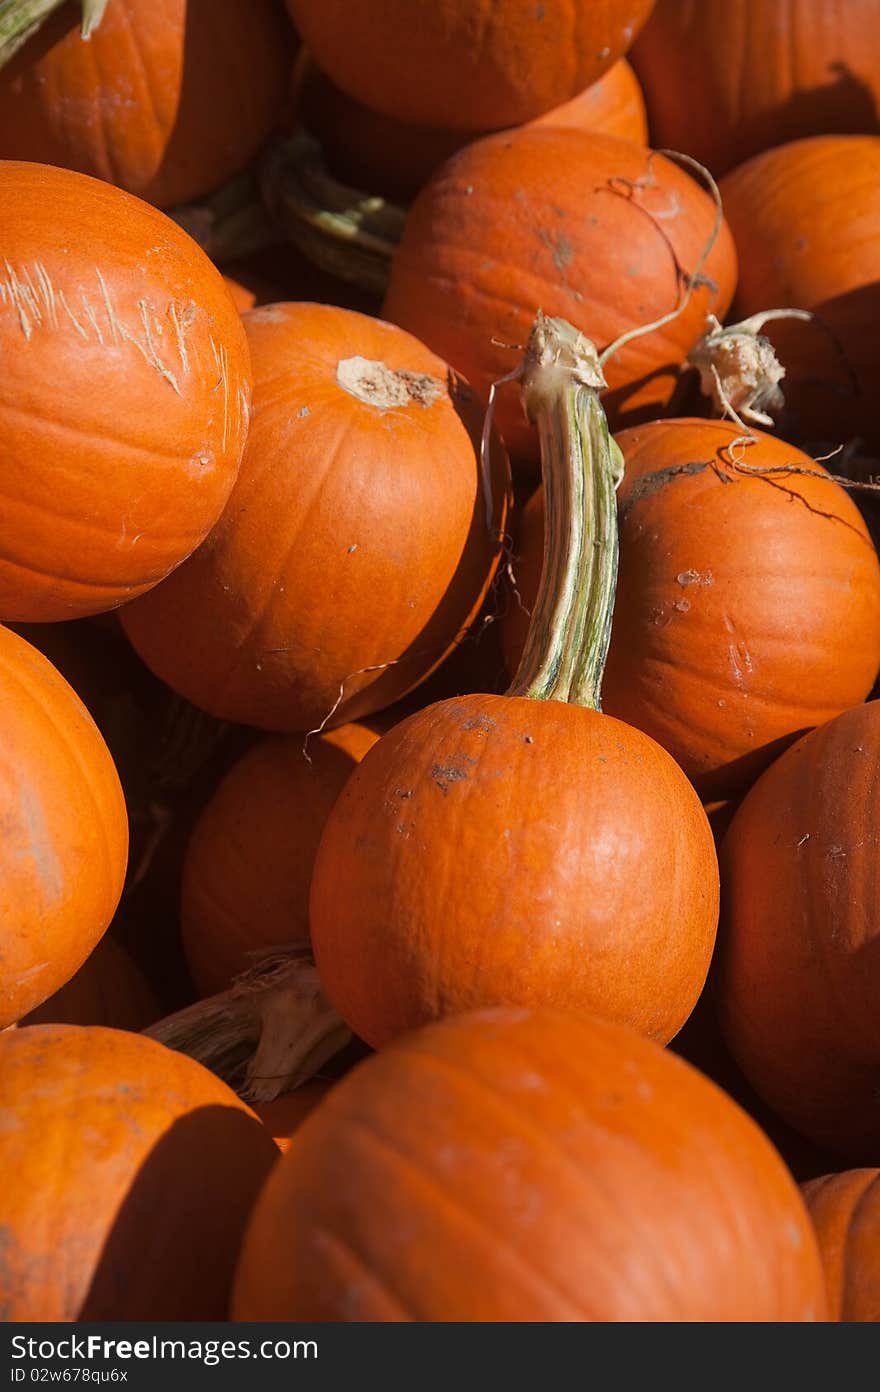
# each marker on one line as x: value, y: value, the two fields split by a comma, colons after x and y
x: 739, y: 370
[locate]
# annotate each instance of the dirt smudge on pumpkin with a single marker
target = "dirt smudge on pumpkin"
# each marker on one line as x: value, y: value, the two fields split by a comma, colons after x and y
x: 480, y: 722
x: 445, y: 775
x: 653, y: 483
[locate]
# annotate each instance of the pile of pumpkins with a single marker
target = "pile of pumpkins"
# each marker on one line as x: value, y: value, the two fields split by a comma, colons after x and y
x: 439, y: 780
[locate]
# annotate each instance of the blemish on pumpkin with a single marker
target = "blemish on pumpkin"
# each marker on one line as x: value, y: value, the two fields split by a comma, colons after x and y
x: 403, y: 792
x: 351, y: 549
x: 682, y: 605
x: 480, y: 722
x: 528, y: 739
x: 443, y: 777
x: 653, y: 483
x: 386, y: 388
x: 694, y: 577
x: 303, y: 412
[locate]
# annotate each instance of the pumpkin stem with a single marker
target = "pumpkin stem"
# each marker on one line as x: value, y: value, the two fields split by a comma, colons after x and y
x: 230, y: 223
x: 739, y: 370
x: 348, y: 233
x: 20, y: 19
x: 581, y: 466
x: 270, y: 1032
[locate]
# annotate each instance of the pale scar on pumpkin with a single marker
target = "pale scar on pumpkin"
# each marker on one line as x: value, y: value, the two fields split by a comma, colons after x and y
x: 29, y: 292
x: 386, y: 388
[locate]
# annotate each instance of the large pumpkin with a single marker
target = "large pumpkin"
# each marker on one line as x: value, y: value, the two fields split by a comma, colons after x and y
x: 167, y: 99
x: 584, y: 226
x: 395, y: 159
x: 245, y: 884
x: 516, y: 849
x: 128, y: 1174
x: 123, y: 397
x: 466, y: 64
x: 357, y: 545
x: 729, y: 639
x: 806, y: 221
x: 725, y: 79
x: 522, y: 1166
x: 799, y: 952
x: 64, y: 830
x: 845, y: 1209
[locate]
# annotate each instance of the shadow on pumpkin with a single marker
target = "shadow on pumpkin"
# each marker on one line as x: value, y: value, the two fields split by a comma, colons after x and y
x: 171, y: 1250
x: 832, y: 370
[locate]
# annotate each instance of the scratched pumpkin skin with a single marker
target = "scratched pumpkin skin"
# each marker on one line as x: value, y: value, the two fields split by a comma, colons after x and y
x: 124, y: 394
x: 63, y: 830
x: 748, y: 609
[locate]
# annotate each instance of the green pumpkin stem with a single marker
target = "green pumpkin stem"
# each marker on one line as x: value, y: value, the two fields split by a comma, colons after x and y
x: 567, y: 644
x: 19, y: 19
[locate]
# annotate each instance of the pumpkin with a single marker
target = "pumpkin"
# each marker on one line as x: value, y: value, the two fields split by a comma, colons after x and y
x: 65, y: 834
x: 515, y: 1165
x: 805, y: 218
x: 516, y: 849
x: 798, y: 972
x: 394, y: 159
x: 466, y: 64
x: 284, y: 1116
x: 109, y: 989
x: 356, y: 547
x: 123, y: 398
x: 245, y: 885
x: 846, y: 1215
x: 167, y: 99
x: 581, y: 225
x: 729, y: 639
x: 757, y: 73
x: 129, y: 1172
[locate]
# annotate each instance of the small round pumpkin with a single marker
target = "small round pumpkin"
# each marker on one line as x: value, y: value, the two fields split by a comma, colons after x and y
x: 798, y: 971
x: 128, y: 1174
x: 513, y: 1165
x: 584, y: 226
x: 466, y: 64
x: 123, y: 398
x: 729, y: 639
x: 245, y: 884
x: 396, y: 159
x: 357, y: 545
x: 757, y: 73
x: 167, y: 99
x: 109, y: 989
x: 806, y: 218
x: 65, y: 833
x: 845, y: 1209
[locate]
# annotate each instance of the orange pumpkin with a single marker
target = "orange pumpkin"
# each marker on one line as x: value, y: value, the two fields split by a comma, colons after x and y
x: 394, y: 159
x: 245, y: 883
x: 285, y: 1115
x: 356, y: 547
x: 728, y: 640
x: 580, y: 225
x: 521, y: 1166
x: 757, y: 73
x: 845, y: 1209
x: 128, y: 1174
x: 466, y: 64
x: 167, y: 99
x: 805, y: 218
x: 65, y: 833
x: 123, y: 398
x: 516, y: 849
x: 109, y: 989
x: 798, y: 971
